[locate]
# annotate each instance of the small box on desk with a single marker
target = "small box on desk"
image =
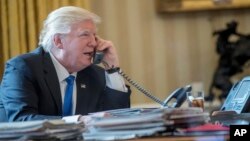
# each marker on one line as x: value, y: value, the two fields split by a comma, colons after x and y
x: 228, y: 118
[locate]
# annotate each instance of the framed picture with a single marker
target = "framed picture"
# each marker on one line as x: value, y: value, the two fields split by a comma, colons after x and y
x: 198, y: 5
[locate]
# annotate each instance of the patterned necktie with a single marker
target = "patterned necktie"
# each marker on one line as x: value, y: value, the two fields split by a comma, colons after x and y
x: 68, y: 104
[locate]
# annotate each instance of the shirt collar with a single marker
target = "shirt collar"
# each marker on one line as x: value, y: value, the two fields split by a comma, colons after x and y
x: 61, y: 71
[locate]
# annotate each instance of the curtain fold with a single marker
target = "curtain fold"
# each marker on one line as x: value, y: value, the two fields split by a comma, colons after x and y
x: 21, y: 22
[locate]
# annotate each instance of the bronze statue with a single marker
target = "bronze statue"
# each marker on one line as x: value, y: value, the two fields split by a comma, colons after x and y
x: 233, y: 56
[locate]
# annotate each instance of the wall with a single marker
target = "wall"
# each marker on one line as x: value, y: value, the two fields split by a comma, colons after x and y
x: 164, y: 51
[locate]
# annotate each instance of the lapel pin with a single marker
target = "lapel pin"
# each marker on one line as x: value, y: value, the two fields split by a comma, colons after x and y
x: 83, y: 86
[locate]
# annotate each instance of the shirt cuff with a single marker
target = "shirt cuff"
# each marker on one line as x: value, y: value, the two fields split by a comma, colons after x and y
x: 115, y: 81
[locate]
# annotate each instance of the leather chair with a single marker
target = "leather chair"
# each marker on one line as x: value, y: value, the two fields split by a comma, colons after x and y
x: 3, y: 117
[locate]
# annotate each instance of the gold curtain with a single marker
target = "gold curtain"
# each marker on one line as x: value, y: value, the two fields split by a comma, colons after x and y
x: 21, y: 22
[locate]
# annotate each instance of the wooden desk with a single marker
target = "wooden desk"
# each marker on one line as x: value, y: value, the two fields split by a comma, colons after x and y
x: 190, y: 138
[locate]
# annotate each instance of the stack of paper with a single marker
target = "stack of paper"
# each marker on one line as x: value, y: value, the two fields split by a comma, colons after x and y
x: 41, y: 130
x: 134, y: 123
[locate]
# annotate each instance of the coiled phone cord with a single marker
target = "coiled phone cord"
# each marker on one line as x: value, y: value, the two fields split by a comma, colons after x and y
x: 99, y: 58
x: 147, y: 93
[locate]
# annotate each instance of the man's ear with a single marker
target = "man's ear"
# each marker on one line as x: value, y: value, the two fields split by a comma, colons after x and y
x: 58, y: 40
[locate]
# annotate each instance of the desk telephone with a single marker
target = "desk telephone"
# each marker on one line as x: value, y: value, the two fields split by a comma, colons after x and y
x: 176, y: 98
x: 238, y: 98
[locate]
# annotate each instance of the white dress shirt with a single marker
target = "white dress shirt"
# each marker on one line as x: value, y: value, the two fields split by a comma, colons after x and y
x: 113, y: 81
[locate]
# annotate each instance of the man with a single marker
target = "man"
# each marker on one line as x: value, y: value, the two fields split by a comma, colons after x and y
x: 35, y: 85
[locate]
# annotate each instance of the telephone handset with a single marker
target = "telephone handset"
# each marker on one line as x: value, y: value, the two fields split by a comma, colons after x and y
x: 98, y: 56
x: 177, y: 97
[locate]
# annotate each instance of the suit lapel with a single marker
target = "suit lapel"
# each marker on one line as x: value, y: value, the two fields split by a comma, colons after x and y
x: 83, y: 90
x: 51, y: 79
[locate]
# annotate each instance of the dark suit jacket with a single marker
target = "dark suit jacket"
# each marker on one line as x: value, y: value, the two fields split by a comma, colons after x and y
x: 3, y: 117
x: 30, y: 89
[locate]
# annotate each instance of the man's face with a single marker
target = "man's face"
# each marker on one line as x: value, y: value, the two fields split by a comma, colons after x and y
x: 78, y: 46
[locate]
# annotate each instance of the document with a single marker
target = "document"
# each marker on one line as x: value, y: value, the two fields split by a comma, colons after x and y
x: 42, y: 129
x: 134, y: 123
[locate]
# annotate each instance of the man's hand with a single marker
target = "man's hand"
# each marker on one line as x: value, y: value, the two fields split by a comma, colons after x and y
x: 110, y: 59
